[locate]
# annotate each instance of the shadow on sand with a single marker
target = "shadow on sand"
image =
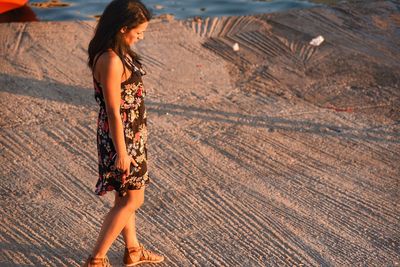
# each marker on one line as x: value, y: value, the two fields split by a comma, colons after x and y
x: 78, y: 96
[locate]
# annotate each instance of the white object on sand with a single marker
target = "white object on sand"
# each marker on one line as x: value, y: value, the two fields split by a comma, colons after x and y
x: 317, y: 41
x: 235, y: 47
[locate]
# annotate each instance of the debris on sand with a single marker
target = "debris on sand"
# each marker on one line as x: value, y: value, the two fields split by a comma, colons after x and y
x: 317, y: 40
x: 49, y: 4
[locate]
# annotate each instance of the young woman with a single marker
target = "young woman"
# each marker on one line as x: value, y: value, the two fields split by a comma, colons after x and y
x: 121, y: 128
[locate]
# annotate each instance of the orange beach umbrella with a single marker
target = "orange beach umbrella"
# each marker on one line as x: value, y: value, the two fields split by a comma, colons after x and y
x: 7, y: 5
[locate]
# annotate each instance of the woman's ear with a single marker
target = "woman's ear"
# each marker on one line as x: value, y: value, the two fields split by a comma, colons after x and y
x: 123, y: 29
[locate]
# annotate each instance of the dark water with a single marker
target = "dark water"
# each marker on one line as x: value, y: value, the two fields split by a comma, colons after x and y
x: 88, y: 9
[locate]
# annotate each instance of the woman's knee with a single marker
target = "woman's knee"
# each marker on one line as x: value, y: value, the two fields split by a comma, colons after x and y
x: 133, y: 200
x: 135, y: 203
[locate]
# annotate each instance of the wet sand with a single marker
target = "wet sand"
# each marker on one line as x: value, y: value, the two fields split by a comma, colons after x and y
x: 279, y: 154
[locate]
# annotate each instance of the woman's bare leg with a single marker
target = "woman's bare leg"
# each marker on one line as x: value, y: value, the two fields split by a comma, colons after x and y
x: 116, y: 219
x: 129, y: 231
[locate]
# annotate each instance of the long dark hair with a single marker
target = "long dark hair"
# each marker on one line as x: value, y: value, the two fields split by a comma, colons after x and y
x: 117, y: 14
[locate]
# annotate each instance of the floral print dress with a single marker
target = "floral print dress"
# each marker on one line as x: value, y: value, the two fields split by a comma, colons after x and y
x: 133, y: 115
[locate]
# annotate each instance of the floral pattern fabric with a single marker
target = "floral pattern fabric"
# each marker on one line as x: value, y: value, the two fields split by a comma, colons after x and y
x: 134, y: 120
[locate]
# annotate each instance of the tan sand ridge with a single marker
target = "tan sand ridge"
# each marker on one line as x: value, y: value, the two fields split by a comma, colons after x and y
x: 279, y: 154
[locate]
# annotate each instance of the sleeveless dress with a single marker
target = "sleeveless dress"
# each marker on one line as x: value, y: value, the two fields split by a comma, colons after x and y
x: 133, y: 115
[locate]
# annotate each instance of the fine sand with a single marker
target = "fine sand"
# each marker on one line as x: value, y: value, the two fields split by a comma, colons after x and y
x: 279, y: 154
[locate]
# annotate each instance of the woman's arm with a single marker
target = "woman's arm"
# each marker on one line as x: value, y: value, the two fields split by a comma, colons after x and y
x: 110, y: 72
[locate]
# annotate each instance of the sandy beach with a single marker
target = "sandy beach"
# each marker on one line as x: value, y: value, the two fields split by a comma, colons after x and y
x: 279, y: 154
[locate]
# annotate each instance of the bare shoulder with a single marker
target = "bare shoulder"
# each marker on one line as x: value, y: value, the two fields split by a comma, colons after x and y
x: 109, y: 59
x: 108, y: 64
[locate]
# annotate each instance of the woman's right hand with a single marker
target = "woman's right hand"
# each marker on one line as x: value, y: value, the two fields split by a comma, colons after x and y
x: 123, y: 164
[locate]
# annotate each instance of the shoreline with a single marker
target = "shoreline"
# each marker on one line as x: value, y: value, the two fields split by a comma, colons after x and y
x: 71, y: 11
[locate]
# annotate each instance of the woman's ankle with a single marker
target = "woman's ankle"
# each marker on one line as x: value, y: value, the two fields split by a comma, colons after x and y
x: 133, y: 245
x: 98, y: 256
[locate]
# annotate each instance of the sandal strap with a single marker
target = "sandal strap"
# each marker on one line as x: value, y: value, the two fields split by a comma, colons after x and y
x: 135, y: 249
x: 147, y: 254
x: 103, y: 260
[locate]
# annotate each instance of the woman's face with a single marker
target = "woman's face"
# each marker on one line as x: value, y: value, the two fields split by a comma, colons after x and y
x: 134, y: 35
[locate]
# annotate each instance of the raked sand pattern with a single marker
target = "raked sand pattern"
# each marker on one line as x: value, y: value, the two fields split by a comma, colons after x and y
x: 279, y: 154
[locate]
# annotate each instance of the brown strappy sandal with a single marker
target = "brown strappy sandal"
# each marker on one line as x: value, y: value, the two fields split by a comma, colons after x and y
x: 97, y: 262
x: 138, y: 255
